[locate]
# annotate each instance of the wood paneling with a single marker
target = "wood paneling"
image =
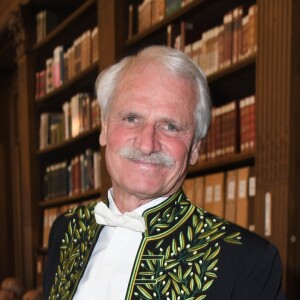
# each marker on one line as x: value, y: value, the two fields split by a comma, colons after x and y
x: 29, y: 188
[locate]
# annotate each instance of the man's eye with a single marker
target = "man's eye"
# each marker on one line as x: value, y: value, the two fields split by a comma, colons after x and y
x: 171, y: 127
x: 131, y: 119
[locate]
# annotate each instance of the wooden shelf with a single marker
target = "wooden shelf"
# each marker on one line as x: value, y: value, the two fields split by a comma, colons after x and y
x: 53, y: 148
x: 70, y: 199
x: 59, y: 5
x: 73, y: 85
x: 204, y: 7
x: 223, y: 163
x: 72, y: 18
x: 247, y: 61
x: 180, y: 14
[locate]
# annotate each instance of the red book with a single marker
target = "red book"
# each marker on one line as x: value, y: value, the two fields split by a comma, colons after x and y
x: 237, y: 34
x: 228, y: 21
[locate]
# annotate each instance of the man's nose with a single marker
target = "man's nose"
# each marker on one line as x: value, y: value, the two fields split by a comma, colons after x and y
x: 147, y: 139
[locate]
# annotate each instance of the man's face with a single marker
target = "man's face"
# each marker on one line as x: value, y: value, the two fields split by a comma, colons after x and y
x: 149, y: 133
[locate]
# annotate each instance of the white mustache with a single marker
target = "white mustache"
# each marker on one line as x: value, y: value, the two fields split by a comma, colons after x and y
x: 157, y: 158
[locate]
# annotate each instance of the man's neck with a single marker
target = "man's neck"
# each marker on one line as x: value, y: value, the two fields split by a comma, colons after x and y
x: 127, y: 203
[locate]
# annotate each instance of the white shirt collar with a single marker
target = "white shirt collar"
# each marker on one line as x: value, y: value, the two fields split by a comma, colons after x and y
x: 139, y: 210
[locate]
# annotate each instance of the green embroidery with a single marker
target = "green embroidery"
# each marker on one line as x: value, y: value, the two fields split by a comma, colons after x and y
x: 165, y: 219
x: 178, y: 258
x: 186, y: 266
x: 74, y: 250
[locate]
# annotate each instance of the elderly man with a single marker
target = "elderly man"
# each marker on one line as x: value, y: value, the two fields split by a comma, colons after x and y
x: 147, y: 241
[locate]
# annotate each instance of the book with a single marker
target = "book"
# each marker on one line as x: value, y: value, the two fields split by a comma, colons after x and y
x: 247, y: 124
x: 172, y: 6
x: 199, y: 191
x: 97, y: 169
x: 196, y: 51
x: 86, y: 55
x: 242, y: 202
x: 210, y: 61
x: 231, y: 193
x: 70, y: 63
x: 252, y: 39
x: 230, y: 128
x: 144, y: 15
x: 40, y: 84
x: 237, y: 34
x: 95, y: 45
x: 209, y: 193
x: 95, y: 114
x: 214, y: 194
x: 221, y: 46
x: 251, y: 199
x: 130, y: 21
x: 170, y: 35
x: 188, y: 187
x: 218, y: 194
x: 48, y: 135
x: 86, y: 112
x: 252, y: 122
x: 77, y: 56
x: 58, y: 66
x: 228, y: 23
x: 67, y: 119
x: 158, y: 9
x: 46, y: 21
x: 218, y: 131
x: 186, y: 2
x: 49, y: 75
x: 215, y: 50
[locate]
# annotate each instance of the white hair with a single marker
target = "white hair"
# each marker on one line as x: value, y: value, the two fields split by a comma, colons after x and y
x: 175, y: 62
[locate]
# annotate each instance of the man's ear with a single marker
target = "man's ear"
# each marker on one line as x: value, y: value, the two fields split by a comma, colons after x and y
x: 195, y: 153
x: 102, y: 137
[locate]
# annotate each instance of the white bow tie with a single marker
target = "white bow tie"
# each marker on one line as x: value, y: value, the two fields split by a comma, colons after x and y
x: 130, y: 220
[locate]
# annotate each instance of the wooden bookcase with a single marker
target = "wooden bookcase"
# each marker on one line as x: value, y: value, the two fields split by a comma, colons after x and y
x: 78, y: 17
x: 232, y: 82
x: 271, y: 74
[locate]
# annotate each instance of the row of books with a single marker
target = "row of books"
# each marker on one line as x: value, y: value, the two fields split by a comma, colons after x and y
x: 223, y: 45
x: 152, y: 11
x: 46, y: 21
x: 78, y: 115
x: 247, y: 124
x: 81, y: 174
x: 232, y: 129
x: 227, y: 194
x: 65, y: 64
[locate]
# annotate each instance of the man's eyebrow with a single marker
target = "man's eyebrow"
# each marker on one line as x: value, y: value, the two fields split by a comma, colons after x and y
x: 125, y: 113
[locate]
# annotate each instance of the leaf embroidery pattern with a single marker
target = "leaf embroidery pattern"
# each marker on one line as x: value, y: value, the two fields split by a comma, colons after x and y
x: 163, y: 220
x: 189, y: 263
x: 74, y: 250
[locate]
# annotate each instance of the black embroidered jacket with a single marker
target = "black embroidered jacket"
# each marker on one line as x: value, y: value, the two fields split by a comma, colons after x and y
x: 186, y: 253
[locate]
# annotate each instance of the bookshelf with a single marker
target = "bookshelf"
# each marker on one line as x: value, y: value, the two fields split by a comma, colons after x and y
x: 192, y: 28
x: 77, y: 22
x: 270, y: 73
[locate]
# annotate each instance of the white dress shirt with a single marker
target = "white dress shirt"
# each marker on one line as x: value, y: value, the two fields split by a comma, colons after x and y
x: 109, y: 268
